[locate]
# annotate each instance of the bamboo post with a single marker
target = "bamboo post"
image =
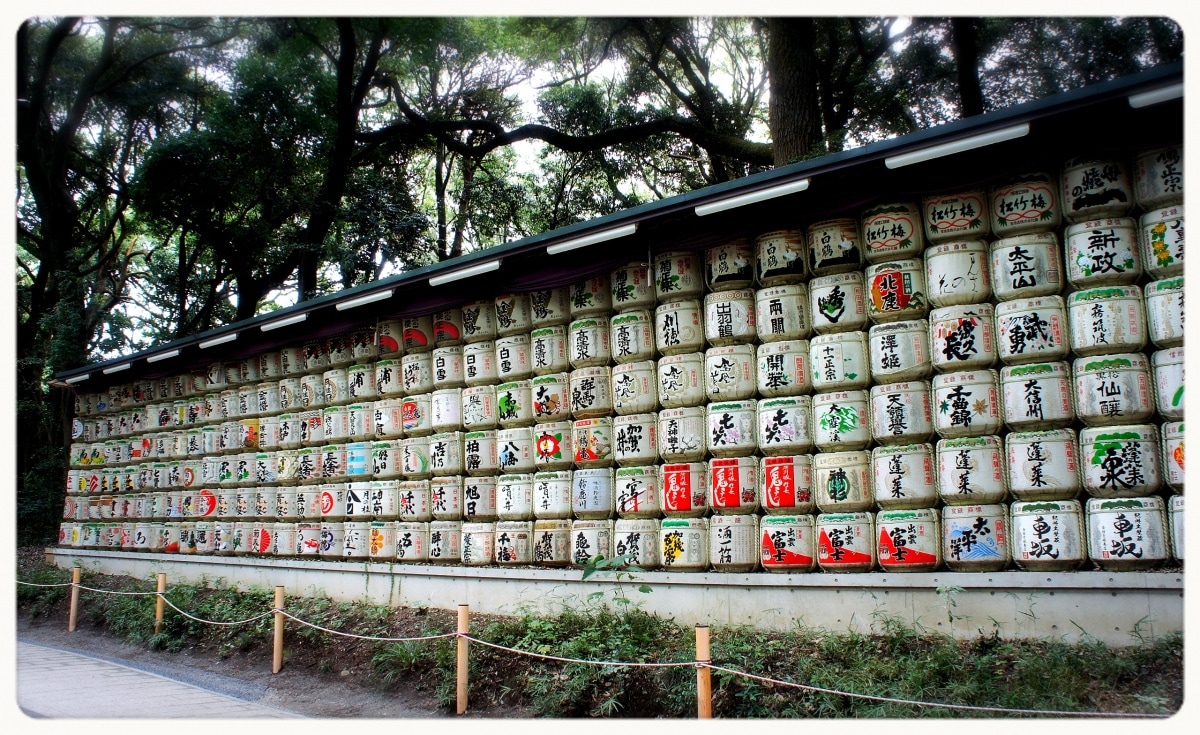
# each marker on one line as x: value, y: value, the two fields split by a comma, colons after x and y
x: 277, y: 663
x: 464, y: 627
x: 703, y: 674
x: 158, y: 603
x: 76, y: 574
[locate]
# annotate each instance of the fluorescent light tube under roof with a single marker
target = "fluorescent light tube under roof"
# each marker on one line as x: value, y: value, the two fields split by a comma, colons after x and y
x: 117, y: 368
x: 218, y: 340
x: 162, y: 356
x: 283, y: 322
x: 752, y: 197
x: 957, y: 146
x: 473, y: 270
x: 592, y: 239
x: 364, y: 300
x: 1154, y: 96
x: 78, y: 378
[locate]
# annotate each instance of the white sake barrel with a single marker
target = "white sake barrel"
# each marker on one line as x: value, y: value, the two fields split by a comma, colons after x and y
x: 1164, y: 312
x: 480, y: 455
x: 845, y: 542
x: 334, y: 466
x: 414, y: 457
x: 335, y: 424
x: 316, y: 358
x: 839, y: 361
x: 899, y: 351
x: 896, y: 291
x: 1093, y: 188
x: 1026, y: 266
x: 1120, y: 461
x: 552, y: 542
x: 387, y: 460
x: 1175, y: 517
x: 681, y: 434
x: 635, y: 439
x: 548, y: 350
x: 680, y: 380
x: 730, y: 372
x: 416, y: 372
x: 513, y: 361
x: 308, y: 500
x: 590, y: 297
x: 226, y: 505
x: 589, y: 539
x: 333, y: 501
x: 892, y: 231
x: 1032, y: 330
x: 414, y: 497
x: 1158, y: 176
x: 552, y: 494
x: 963, y: 337
x: 514, y: 497
x: 514, y: 542
x: 1127, y: 534
x: 447, y: 327
x: 333, y: 540
x: 268, y: 434
x: 678, y: 327
x: 291, y: 360
x: 730, y: 265
x: 551, y: 397
x: 842, y: 481
x: 337, y: 386
x: 203, y: 536
x: 683, y: 544
x: 290, y: 395
x: 417, y: 333
x: 631, y: 336
x: 732, y: 428
x: 446, y: 454
x: 634, y: 387
x: 479, y: 363
x: 781, y: 257
x: 270, y: 367
x: 415, y: 542
x: 837, y: 303
x: 361, y: 418
x: 684, y: 488
x: 678, y: 275
x: 1162, y: 241
x: 787, y: 543
x: 733, y: 485
x: 958, y: 273
x: 385, y: 498
x: 479, y: 320
x: 389, y: 378
x: 903, y: 477
x: 1172, y: 440
x: 971, y: 470
x: 1113, y: 389
x: 312, y: 393
x: 362, y: 345
x: 840, y: 421
x: 592, y: 442
x: 515, y: 449
x: 478, y: 543
x: 286, y: 506
x: 784, y: 425
x: 478, y: 408
x: 1043, y: 465
x: 835, y: 246
x: 592, y: 493
x: 514, y: 404
x: 591, y: 392
x: 1103, y: 252
x: 550, y: 307
x: 733, y: 543
x: 448, y: 367
x: 513, y: 314
x: 637, y: 540
x: 968, y: 403
x: 729, y: 318
x: 338, y: 348
x: 479, y: 499
x: 1106, y: 320
x: 222, y: 538
x: 782, y: 368
x: 975, y: 538
x: 632, y: 289
x: 785, y: 484
x: 1037, y: 396
x: 637, y: 492
x: 445, y: 542
x: 1168, y: 368
x: 356, y: 542
x: 1047, y: 535
x: 901, y: 413
x: 781, y: 313
x: 552, y: 446
x: 381, y: 541
x: 1025, y: 203
x: 909, y: 540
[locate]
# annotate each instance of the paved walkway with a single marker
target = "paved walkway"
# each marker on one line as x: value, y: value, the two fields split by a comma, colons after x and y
x: 55, y: 683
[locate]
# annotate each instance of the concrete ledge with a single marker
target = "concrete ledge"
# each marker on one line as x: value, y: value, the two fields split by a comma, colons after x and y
x: 1119, y: 608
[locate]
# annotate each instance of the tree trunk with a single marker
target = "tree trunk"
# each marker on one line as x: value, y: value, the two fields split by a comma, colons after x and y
x: 965, y: 45
x: 791, y: 67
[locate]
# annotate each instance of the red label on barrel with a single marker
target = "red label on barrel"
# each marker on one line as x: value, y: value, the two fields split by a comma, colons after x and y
x: 775, y: 551
x: 677, y: 493
x: 895, y: 549
x: 725, y: 486
x: 780, y: 483
x: 834, y: 546
x: 208, y: 503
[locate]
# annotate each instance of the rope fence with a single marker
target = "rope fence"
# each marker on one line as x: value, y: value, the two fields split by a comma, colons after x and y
x: 702, y: 663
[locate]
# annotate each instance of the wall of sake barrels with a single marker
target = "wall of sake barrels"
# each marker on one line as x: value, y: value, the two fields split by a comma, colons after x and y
x: 982, y: 381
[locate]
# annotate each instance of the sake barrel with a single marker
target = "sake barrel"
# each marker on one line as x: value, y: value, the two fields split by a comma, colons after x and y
x: 958, y: 272
x: 684, y: 486
x: 417, y: 332
x: 1162, y: 241
x: 448, y: 367
x: 548, y: 350
x: 1025, y: 203
x: 840, y: 421
x: 787, y: 543
x: 729, y: 318
x: 638, y: 494
x: 514, y: 404
x: 479, y: 320
x: 1127, y: 534
x: 1120, y: 461
x: 1176, y: 525
x: 333, y: 540
x: 1103, y: 252
x: 479, y: 363
x: 1158, y: 176
x: 732, y: 428
x: 1114, y: 389
x: 838, y: 303
x: 291, y: 360
x: 446, y: 454
x: 589, y: 539
x: 733, y: 485
x: 592, y: 493
x: 901, y: 413
x: 414, y: 457
x: 781, y: 313
x: 971, y: 471
x: 357, y: 541
x: 631, y: 336
x: 551, y: 542
x: 783, y: 368
x: 1047, y: 535
x: 635, y: 439
x: 835, y: 246
x: 1037, y: 396
x: 446, y: 498
x: 478, y: 543
x: 381, y: 541
x: 312, y: 394
x: 1168, y: 368
x: 677, y: 275
x: 785, y: 484
x: 1095, y: 187
x: 896, y: 291
x: 591, y: 392
x: 845, y: 542
x: 551, y: 397
x: 1043, y: 465
x: 480, y: 455
x: 1106, y: 320
x: 415, y: 542
x: 478, y: 408
x: 683, y: 544
x: 552, y: 446
x: 362, y: 346
x: 903, y: 477
x: 550, y: 307
x: 552, y: 494
x: 445, y: 542
x: 387, y: 460
x: 892, y: 231
x: 338, y: 348
x: 839, y: 361
x: 308, y: 539
x: 680, y: 380
x: 447, y: 327
x: 336, y: 383
x: 681, y: 434
x: 975, y: 538
x: 592, y: 442
x: 729, y: 265
x: 1164, y: 312
x: 963, y: 337
x: 899, y: 351
x: 730, y: 372
x: 1032, y: 330
x: 590, y: 296
x: 909, y: 540
x: 479, y: 499
x: 780, y: 257
x: 513, y: 358
x: 843, y: 481
x: 514, y: 542
x: 637, y: 540
x: 784, y: 425
x: 1026, y: 266
x: 678, y: 328
x: 514, y: 497
x: 389, y: 377
x: 413, y: 497
x: 1172, y: 439
x: 733, y: 543
x: 634, y: 388
x: 445, y: 406
x: 968, y: 403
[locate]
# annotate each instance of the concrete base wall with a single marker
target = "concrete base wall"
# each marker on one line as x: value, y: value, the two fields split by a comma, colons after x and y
x: 1122, y: 608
